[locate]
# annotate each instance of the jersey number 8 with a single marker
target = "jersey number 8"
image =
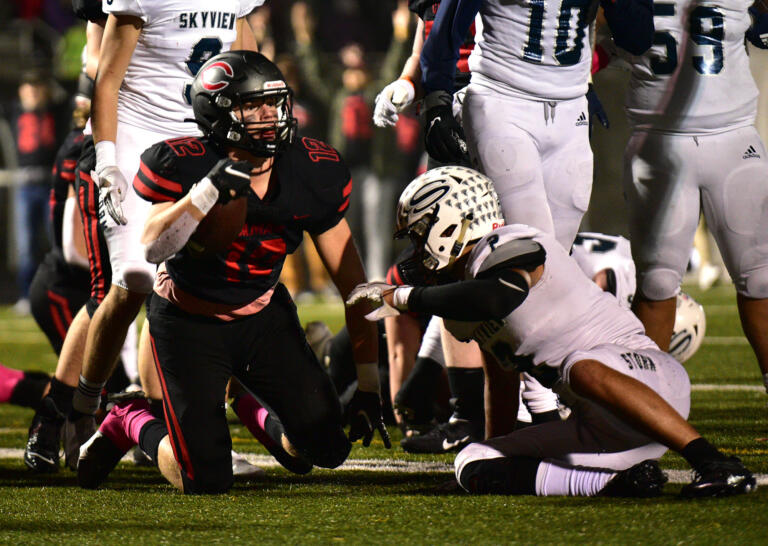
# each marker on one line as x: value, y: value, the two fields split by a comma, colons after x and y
x: 201, y: 52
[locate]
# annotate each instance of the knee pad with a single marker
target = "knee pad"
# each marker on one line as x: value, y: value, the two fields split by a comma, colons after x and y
x: 501, y: 476
x: 135, y: 276
x: 659, y: 283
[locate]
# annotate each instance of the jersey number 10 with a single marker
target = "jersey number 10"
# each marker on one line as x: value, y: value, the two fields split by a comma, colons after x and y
x: 564, y: 55
x: 710, y: 35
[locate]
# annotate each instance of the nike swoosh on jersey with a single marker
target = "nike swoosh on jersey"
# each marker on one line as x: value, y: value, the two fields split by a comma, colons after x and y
x: 447, y: 446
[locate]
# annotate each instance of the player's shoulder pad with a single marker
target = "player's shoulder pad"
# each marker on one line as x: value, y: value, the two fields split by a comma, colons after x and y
x: 169, y: 168
x: 322, y: 168
x: 523, y: 253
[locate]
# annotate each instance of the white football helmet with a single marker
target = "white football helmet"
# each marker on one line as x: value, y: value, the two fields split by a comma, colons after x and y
x: 444, y: 210
x: 690, y: 326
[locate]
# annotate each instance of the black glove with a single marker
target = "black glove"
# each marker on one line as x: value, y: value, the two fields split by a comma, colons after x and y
x: 365, y: 417
x: 595, y: 108
x: 443, y: 136
x: 231, y: 178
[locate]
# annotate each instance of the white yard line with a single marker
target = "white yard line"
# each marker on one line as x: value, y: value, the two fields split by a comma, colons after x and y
x: 388, y: 465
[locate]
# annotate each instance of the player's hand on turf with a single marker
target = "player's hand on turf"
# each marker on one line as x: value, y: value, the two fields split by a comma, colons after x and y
x: 373, y: 293
x: 596, y: 109
x: 443, y: 136
x: 231, y: 178
x: 365, y: 418
x: 113, y: 189
x: 391, y: 101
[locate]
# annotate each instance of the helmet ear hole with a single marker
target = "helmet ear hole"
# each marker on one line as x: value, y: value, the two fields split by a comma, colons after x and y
x: 447, y: 232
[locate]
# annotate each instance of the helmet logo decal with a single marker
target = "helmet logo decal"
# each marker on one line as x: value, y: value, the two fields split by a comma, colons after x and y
x: 427, y: 196
x: 215, y: 76
x: 275, y: 84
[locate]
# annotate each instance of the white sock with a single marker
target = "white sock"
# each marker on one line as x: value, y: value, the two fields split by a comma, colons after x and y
x: 87, y: 397
x: 555, y: 479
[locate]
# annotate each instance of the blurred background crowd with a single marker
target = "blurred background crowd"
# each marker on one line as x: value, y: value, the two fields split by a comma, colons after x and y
x: 336, y: 54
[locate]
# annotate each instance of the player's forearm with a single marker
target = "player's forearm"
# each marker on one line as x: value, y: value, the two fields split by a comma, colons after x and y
x: 365, y: 349
x: 169, y: 227
x: 441, y: 49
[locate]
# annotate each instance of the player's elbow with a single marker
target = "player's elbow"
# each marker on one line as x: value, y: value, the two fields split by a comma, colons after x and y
x: 155, y: 253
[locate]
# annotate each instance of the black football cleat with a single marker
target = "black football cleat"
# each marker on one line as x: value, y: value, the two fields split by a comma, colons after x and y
x: 643, y: 480
x: 720, y: 479
x: 42, y: 451
x: 76, y: 433
x: 444, y: 438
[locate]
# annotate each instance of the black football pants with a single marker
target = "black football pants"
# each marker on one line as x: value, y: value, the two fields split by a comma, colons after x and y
x: 269, y: 355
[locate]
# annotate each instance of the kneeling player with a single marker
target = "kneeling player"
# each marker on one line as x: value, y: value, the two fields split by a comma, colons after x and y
x: 225, y: 314
x: 518, y: 294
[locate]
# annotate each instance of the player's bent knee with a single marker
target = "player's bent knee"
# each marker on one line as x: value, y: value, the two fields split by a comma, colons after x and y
x: 659, y: 284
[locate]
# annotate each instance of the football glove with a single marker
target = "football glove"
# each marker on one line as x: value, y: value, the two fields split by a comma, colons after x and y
x: 392, y: 100
x: 112, y: 191
x: 758, y: 32
x: 443, y: 136
x: 231, y: 178
x: 364, y: 412
x: 595, y: 108
x: 373, y: 293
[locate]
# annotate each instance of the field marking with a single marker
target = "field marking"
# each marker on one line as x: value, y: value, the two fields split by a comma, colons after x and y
x: 386, y: 465
x: 716, y: 387
x: 725, y: 340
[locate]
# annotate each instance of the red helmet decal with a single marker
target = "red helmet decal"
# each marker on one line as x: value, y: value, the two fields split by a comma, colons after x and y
x: 215, y: 76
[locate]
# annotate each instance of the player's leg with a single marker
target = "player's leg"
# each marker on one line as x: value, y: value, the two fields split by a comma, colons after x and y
x: 132, y: 276
x: 280, y: 370
x: 567, y: 166
x: 504, y: 151
x: 734, y: 198
x: 662, y: 195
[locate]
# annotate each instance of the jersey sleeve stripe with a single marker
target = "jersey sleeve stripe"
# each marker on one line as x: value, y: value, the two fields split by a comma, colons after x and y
x: 148, y: 193
x: 164, y: 183
x: 68, y: 176
x: 69, y: 164
x: 344, y: 205
x: 347, y: 189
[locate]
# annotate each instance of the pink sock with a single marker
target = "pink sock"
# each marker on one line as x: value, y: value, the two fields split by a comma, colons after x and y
x: 253, y: 416
x: 9, y: 378
x: 124, y: 423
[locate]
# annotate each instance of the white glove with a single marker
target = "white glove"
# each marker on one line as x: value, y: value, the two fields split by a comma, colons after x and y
x: 392, y: 99
x: 373, y: 293
x: 112, y: 191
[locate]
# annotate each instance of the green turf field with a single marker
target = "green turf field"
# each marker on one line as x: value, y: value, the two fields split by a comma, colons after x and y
x: 370, y: 502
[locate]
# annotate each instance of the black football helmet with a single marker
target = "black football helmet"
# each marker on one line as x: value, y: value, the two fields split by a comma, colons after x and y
x: 231, y: 79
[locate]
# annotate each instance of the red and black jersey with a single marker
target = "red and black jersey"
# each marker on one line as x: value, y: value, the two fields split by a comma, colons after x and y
x: 309, y: 190
x: 426, y: 10
x: 63, y: 176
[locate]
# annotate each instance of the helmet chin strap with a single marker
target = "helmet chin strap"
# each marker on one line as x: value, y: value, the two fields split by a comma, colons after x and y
x: 458, y: 245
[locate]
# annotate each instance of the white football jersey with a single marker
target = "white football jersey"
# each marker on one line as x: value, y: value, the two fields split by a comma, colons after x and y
x: 595, y: 252
x: 177, y: 38
x: 696, y: 78
x: 564, y: 312
x: 534, y: 48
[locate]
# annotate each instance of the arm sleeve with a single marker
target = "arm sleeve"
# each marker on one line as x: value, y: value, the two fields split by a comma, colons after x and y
x: 126, y: 7
x: 247, y: 6
x: 441, y: 49
x: 631, y: 23
x: 472, y: 300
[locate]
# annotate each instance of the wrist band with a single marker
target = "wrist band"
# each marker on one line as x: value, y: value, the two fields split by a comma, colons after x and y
x: 106, y: 155
x: 204, y: 195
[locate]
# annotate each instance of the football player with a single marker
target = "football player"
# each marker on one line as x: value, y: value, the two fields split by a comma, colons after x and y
x: 226, y: 314
x: 525, y: 112
x: 516, y: 291
x: 149, y: 54
x: 694, y: 148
